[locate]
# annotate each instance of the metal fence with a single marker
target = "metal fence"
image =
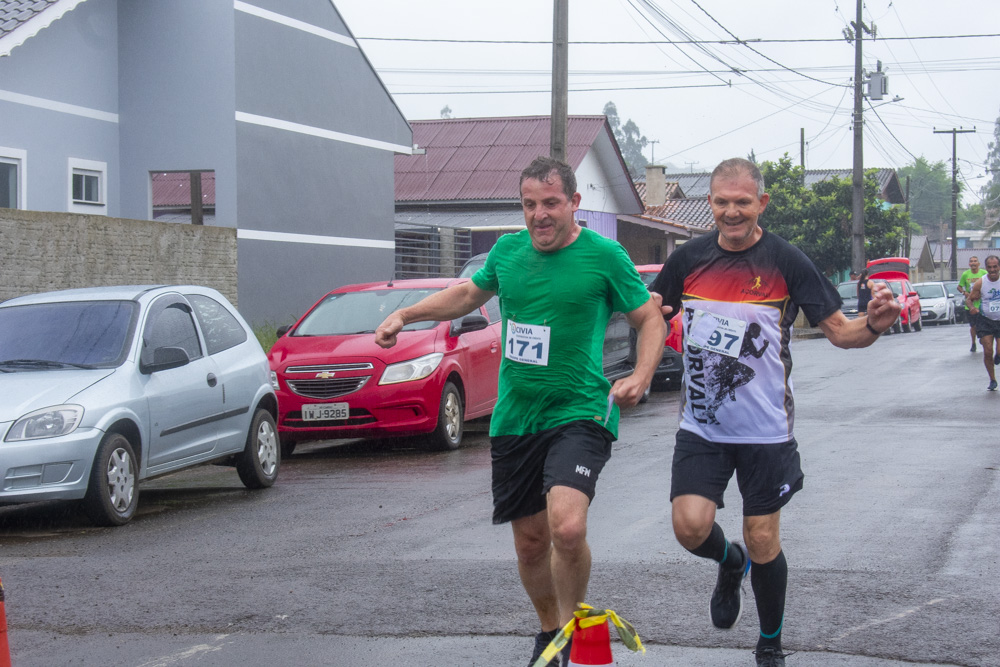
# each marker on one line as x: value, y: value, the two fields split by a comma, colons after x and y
x: 424, y: 251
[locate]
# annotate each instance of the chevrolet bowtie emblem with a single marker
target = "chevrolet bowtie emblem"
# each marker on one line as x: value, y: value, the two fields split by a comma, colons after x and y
x: 325, y: 375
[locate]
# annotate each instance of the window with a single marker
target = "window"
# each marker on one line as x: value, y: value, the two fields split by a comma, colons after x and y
x: 169, y: 325
x: 222, y: 331
x: 88, y: 186
x: 183, y: 196
x: 12, y: 177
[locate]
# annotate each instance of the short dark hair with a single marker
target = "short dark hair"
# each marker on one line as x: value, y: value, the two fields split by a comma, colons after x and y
x: 736, y: 166
x: 989, y: 257
x: 541, y: 169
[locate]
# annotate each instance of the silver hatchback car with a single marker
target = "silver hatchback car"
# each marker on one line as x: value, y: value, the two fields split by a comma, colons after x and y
x: 103, y: 387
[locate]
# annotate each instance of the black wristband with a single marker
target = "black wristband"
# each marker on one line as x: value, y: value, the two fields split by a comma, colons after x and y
x: 872, y: 329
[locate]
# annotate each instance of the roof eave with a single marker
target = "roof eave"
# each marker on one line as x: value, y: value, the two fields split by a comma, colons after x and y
x: 38, y: 23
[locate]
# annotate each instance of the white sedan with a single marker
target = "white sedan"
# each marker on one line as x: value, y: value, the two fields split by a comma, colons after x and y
x: 935, y: 305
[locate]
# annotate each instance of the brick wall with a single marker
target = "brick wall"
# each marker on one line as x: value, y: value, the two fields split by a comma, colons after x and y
x: 42, y: 251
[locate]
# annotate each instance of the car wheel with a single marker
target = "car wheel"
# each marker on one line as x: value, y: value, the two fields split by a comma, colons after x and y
x: 287, y: 447
x: 451, y: 420
x: 112, y: 493
x: 258, y: 464
x: 645, y: 394
x: 897, y: 327
x: 918, y: 324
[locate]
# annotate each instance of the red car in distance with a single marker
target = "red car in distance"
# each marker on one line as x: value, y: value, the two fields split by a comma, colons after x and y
x: 333, y: 381
x: 671, y: 366
x: 895, y: 272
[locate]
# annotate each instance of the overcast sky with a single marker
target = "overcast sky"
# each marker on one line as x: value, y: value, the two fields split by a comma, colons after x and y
x: 687, y: 97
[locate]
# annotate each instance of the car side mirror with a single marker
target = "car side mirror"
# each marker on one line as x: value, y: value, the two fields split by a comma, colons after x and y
x: 912, y: 294
x: 283, y: 330
x: 165, y: 358
x: 469, y: 323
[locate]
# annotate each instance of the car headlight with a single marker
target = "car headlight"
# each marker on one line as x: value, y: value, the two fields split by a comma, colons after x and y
x: 415, y: 369
x: 46, y: 423
x: 274, y: 381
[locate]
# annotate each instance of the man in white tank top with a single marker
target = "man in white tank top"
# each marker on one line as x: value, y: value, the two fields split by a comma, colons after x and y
x: 987, y: 291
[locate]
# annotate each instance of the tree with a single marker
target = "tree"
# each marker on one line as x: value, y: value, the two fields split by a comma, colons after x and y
x: 930, y: 194
x: 817, y: 220
x: 991, y: 191
x: 630, y: 140
x: 446, y: 111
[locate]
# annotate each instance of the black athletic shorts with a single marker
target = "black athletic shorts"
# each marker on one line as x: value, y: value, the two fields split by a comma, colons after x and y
x: 525, y: 467
x: 986, y: 327
x: 768, y: 474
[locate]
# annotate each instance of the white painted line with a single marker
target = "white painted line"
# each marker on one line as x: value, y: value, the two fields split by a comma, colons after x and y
x: 298, y: 128
x: 293, y: 23
x: 61, y: 107
x: 312, y: 239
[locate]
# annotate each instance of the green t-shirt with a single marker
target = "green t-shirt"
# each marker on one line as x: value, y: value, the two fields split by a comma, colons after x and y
x: 572, y: 292
x: 969, y: 279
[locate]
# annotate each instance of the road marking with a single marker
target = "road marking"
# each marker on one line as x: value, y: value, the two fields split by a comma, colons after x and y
x: 186, y: 654
x: 882, y: 621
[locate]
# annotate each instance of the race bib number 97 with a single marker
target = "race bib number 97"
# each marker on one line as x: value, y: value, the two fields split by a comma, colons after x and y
x: 527, y: 343
x: 723, y: 335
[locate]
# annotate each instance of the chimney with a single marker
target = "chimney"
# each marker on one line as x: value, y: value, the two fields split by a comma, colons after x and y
x: 656, y: 185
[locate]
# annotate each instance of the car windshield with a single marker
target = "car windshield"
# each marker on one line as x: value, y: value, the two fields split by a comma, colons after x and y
x: 473, y: 265
x: 847, y: 290
x: 360, y: 312
x: 68, y: 334
x: 894, y: 286
x: 930, y: 291
x: 951, y: 286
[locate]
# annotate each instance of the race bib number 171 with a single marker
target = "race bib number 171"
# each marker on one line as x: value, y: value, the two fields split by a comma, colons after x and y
x: 527, y: 343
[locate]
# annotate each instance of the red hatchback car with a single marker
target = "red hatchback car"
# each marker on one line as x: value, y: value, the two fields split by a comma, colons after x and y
x: 672, y: 364
x: 333, y: 381
x: 894, y: 272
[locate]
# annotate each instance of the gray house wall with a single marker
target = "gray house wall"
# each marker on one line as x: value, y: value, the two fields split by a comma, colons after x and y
x: 326, y: 186
x: 177, y: 97
x: 273, y: 95
x: 62, y: 78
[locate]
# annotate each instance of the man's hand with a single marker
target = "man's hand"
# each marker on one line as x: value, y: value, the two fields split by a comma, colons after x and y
x: 884, y: 308
x: 628, y: 391
x: 385, y: 335
x: 658, y: 300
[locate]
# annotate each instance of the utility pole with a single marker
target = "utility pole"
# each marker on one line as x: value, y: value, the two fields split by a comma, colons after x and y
x: 954, y: 196
x: 802, y: 147
x: 560, y: 79
x: 652, y: 148
x: 858, y: 177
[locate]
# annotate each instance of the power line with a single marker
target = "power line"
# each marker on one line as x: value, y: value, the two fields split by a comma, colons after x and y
x: 671, y: 42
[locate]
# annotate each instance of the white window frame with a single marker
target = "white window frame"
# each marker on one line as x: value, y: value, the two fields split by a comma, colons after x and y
x: 19, y: 158
x: 78, y: 165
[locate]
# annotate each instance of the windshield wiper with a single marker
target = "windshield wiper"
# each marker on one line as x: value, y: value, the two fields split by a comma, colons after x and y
x: 43, y: 363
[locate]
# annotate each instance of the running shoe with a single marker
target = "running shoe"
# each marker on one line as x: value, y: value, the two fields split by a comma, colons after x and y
x: 727, y: 598
x: 996, y: 359
x: 973, y: 348
x: 542, y: 640
x: 993, y: 386
x: 769, y: 657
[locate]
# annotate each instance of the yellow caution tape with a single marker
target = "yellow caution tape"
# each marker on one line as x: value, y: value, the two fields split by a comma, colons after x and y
x: 586, y: 617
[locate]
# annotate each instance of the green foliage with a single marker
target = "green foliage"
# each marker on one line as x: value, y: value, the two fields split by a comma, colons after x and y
x: 991, y: 191
x: 267, y: 334
x: 630, y: 140
x: 930, y: 194
x: 818, y: 220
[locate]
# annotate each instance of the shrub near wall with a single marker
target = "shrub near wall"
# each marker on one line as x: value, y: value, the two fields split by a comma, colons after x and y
x: 43, y: 251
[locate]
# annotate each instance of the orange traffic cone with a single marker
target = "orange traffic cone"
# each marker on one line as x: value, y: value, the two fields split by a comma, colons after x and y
x: 4, y: 647
x: 591, y: 646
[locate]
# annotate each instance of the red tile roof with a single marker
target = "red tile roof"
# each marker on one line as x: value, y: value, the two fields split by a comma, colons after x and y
x: 480, y: 159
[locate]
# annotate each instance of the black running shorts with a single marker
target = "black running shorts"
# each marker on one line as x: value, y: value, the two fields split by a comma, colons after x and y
x: 525, y: 467
x: 986, y: 327
x: 768, y: 475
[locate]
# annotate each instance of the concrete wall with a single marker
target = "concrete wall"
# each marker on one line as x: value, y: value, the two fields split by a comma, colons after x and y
x: 46, y: 251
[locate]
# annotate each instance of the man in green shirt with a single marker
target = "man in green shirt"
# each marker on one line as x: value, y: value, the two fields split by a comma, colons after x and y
x: 556, y: 415
x: 965, y: 283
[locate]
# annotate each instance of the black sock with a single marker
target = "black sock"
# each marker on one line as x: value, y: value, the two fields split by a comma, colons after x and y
x: 769, y: 581
x: 719, y: 549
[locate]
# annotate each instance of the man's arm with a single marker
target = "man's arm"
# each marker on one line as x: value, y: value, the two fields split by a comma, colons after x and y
x: 883, y: 309
x: 974, y: 295
x: 447, y: 304
x: 648, y: 322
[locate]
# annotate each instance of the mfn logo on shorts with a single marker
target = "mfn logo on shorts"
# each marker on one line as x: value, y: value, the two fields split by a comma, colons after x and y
x: 582, y: 470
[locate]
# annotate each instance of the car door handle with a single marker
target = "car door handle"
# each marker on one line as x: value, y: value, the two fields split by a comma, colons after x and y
x: 493, y: 346
x: 211, y: 379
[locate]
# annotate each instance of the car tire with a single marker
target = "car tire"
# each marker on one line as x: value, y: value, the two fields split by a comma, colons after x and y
x: 918, y: 324
x: 447, y: 435
x: 258, y: 463
x: 897, y: 327
x: 645, y: 394
x: 113, y: 490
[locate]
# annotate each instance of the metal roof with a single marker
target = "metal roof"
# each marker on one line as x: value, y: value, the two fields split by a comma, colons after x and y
x: 480, y: 159
x: 694, y: 213
x: 20, y: 20
x: 173, y: 188
x: 476, y: 220
x: 696, y: 184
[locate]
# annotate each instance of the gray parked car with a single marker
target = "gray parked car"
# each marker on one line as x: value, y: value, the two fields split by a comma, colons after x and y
x: 935, y: 305
x: 103, y: 387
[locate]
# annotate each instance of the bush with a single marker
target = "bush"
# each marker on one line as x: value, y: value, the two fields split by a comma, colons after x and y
x: 267, y: 334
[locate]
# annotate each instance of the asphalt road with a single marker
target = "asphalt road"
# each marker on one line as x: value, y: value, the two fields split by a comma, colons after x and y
x: 380, y: 554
